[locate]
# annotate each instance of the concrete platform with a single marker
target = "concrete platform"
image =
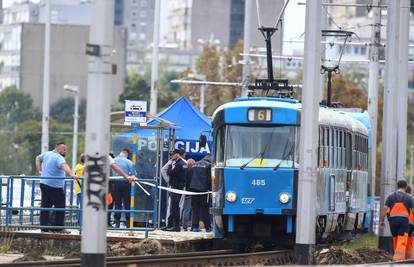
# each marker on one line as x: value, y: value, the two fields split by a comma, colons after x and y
x: 22, y: 241
x: 120, y: 235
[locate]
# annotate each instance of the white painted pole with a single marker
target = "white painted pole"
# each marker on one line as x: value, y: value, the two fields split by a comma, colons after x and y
x: 373, y: 91
x: 154, y: 66
x: 248, y: 5
x: 75, y: 131
x: 403, y: 89
x: 322, y: 78
x: 308, y: 149
x: 389, y: 155
x: 46, y: 82
x: 202, y: 98
x: 95, y: 191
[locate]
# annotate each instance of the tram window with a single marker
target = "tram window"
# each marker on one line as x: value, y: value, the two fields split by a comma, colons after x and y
x: 348, y: 151
x: 220, y: 146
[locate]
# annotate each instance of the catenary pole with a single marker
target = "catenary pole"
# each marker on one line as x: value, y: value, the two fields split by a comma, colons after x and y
x: 373, y: 93
x: 402, y: 91
x: 306, y: 212
x: 75, y: 131
x: 324, y: 26
x: 389, y: 155
x: 154, y: 65
x: 248, y: 5
x: 46, y: 82
x: 93, y: 245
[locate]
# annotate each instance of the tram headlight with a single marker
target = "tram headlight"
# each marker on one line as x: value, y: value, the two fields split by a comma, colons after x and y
x: 231, y: 196
x: 284, y: 198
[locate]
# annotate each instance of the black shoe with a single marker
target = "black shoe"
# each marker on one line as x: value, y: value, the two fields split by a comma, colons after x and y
x: 44, y: 230
x: 173, y: 229
x: 165, y: 228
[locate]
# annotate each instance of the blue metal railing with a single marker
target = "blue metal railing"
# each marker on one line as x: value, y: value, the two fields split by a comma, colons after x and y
x: 22, y: 205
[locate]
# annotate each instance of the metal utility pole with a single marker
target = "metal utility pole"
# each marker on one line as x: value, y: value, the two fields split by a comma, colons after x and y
x: 306, y: 214
x: 97, y: 134
x: 202, y: 98
x: 46, y: 82
x: 403, y: 89
x: 75, y: 90
x: 373, y: 93
x: 154, y: 66
x: 324, y: 26
x: 389, y: 156
x: 248, y: 6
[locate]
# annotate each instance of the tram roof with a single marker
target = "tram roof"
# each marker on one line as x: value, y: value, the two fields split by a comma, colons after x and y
x: 327, y: 116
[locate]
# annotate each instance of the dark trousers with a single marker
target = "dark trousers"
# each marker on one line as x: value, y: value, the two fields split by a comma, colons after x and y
x: 122, y: 200
x: 200, y: 210
x: 174, y: 218
x: 52, y: 196
x: 399, y: 226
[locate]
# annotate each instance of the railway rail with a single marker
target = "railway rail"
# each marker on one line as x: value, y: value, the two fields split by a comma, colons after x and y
x: 208, y: 258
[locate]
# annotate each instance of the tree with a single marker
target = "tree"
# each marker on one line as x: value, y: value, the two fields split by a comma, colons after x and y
x: 219, y: 65
x: 63, y: 111
x: 16, y: 107
x: 136, y: 87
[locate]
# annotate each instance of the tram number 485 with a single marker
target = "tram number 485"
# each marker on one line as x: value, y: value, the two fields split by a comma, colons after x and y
x: 258, y: 182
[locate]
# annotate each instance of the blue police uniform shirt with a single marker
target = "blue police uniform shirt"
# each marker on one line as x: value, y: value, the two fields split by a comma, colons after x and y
x: 52, y: 163
x: 124, y: 164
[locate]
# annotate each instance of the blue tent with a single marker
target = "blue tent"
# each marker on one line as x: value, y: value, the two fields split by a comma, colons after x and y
x: 191, y: 123
x: 187, y: 117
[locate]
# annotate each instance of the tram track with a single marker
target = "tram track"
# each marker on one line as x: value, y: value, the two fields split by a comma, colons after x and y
x: 207, y: 258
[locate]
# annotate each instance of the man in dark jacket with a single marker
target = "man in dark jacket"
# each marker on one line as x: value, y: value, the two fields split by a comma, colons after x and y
x: 200, y: 182
x: 177, y: 172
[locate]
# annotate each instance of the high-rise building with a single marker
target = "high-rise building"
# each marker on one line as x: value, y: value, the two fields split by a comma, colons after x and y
x: 139, y: 21
x: 192, y: 22
x: 22, y: 49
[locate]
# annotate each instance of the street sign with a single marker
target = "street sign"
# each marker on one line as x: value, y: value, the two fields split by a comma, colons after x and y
x: 135, y: 111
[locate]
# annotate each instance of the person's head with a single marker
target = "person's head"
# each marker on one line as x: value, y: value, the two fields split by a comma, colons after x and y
x: 408, y: 190
x: 207, y: 158
x: 181, y: 152
x: 125, y: 153
x: 190, y: 163
x: 402, y: 184
x: 61, y: 148
x: 175, y: 154
x: 82, y: 158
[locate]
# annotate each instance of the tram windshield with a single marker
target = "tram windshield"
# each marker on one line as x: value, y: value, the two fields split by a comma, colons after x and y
x: 261, y: 147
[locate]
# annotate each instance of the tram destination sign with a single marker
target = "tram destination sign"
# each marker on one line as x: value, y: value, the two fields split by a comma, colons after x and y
x: 135, y: 111
x: 259, y: 115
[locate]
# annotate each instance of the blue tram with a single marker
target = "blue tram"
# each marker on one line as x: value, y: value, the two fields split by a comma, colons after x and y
x: 255, y: 171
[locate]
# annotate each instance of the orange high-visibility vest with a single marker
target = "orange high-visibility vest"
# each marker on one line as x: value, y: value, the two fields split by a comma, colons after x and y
x: 398, y: 209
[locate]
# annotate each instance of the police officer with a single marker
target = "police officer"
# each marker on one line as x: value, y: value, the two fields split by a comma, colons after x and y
x: 398, y: 206
x: 200, y: 182
x: 177, y: 173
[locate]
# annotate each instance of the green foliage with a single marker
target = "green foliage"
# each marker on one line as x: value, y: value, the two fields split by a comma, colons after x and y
x: 16, y: 107
x: 138, y: 87
x: 63, y: 111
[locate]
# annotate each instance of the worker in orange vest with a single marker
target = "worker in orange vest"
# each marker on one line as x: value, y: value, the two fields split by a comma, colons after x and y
x: 398, y: 206
x: 410, y: 242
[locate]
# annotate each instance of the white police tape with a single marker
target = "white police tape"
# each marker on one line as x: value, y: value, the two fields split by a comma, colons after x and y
x: 172, y: 190
x: 176, y: 191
